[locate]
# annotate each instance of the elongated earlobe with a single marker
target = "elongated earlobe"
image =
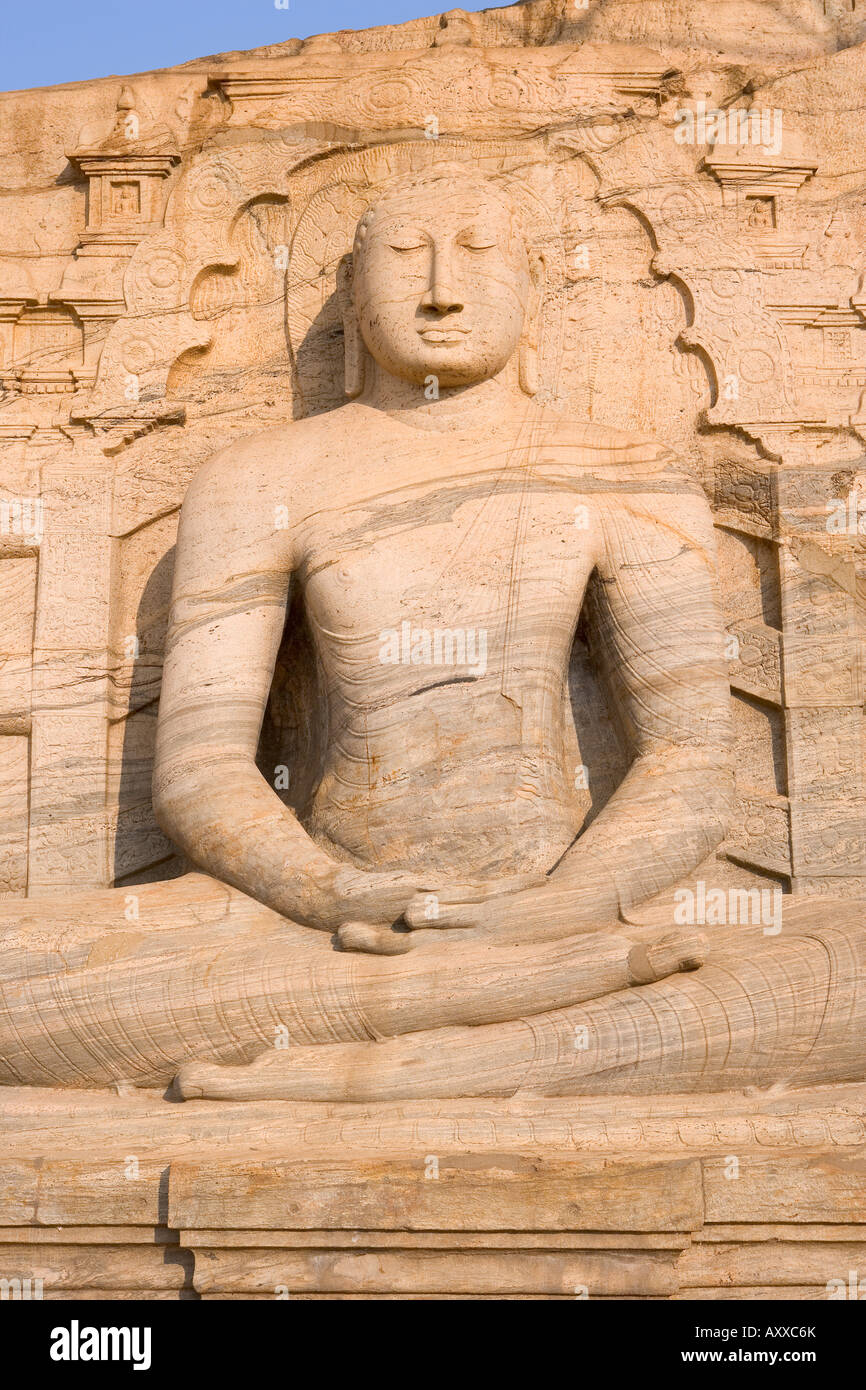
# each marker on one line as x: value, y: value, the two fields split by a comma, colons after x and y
x: 527, y: 364
x: 527, y: 360
x: 353, y: 343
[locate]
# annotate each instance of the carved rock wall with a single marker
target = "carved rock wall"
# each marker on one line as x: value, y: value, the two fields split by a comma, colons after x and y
x: 168, y: 254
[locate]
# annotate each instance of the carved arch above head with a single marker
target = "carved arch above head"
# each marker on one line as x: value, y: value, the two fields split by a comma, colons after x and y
x: 555, y: 188
x: 763, y: 273
x: 325, y: 194
x: 567, y: 185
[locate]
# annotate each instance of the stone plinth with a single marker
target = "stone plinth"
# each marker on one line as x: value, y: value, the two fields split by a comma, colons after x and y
x: 747, y: 1198
x: 634, y: 235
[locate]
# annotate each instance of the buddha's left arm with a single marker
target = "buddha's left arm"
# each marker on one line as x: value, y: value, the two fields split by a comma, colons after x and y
x: 657, y: 632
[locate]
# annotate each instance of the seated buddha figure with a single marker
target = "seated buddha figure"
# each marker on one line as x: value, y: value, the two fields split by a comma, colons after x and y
x: 438, y: 921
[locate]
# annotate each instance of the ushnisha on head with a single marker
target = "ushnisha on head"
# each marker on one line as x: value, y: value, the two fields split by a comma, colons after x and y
x: 442, y: 282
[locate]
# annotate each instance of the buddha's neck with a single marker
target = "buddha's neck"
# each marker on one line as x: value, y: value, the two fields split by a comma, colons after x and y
x: 483, y: 405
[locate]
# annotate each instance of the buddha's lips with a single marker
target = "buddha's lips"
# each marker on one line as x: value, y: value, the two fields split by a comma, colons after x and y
x: 442, y: 335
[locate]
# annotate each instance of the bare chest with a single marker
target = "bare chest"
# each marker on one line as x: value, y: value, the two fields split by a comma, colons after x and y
x: 458, y: 549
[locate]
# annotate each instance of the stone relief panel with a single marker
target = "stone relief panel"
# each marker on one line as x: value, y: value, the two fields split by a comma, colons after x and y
x: 582, y: 923
x: 730, y: 245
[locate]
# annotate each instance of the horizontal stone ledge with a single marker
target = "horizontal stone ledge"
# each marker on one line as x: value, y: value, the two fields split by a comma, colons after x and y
x: 812, y: 1293
x: 73, y: 1124
x: 92, y: 1192
x: 504, y: 1192
x: 515, y: 1241
x: 724, y: 1233
x: 499, y: 1195
x: 821, y: 1188
x: 789, y: 1262
x: 430, y: 1297
x: 119, y: 1295
x: 101, y: 1267
x: 442, y: 1271
x: 88, y: 1235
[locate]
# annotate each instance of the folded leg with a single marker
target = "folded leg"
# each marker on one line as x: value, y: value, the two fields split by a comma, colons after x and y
x: 795, y: 1013
x: 217, y: 977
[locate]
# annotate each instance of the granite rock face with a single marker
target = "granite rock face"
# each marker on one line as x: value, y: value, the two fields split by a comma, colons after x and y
x: 531, y: 345
x: 169, y: 258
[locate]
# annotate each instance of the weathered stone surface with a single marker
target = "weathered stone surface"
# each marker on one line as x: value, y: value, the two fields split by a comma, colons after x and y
x: 461, y: 804
x: 502, y: 1207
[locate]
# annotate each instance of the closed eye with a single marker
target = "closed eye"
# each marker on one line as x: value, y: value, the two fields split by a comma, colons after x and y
x: 472, y: 241
x: 406, y: 246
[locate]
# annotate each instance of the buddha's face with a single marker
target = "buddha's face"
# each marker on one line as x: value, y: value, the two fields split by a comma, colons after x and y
x: 442, y: 281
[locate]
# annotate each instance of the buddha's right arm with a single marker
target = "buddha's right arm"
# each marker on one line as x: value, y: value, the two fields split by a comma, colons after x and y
x: 209, y: 796
x: 231, y: 588
x: 229, y: 600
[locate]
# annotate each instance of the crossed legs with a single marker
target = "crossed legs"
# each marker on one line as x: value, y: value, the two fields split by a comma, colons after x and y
x: 790, y: 1011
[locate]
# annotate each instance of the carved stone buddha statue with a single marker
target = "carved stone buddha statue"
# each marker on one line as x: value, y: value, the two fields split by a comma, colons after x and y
x: 440, y: 920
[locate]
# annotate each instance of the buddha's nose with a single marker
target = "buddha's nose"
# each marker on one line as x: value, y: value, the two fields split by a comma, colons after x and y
x: 442, y: 293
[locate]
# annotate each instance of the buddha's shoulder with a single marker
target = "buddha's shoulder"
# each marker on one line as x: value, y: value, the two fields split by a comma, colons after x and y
x: 284, y: 458
x: 606, y: 452
x: 286, y: 441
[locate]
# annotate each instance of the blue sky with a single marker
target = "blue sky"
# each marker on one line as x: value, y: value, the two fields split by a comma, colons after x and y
x: 47, y: 41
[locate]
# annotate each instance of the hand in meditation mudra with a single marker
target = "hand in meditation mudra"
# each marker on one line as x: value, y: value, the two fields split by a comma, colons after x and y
x: 438, y: 925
